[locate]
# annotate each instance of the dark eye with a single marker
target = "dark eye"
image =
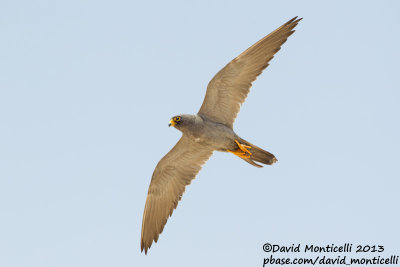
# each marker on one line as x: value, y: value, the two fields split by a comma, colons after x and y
x: 177, y: 118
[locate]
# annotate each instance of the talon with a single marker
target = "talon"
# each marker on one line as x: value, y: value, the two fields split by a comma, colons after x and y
x: 242, y: 151
x: 244, y: 148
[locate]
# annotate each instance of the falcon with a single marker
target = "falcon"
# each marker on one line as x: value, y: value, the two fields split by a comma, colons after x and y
x: 211, y: 129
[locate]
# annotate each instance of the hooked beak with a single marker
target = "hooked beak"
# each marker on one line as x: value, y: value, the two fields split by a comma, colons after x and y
x: 171, y: 122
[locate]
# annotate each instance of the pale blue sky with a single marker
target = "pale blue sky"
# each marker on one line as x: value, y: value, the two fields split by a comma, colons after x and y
x: 86, y: 92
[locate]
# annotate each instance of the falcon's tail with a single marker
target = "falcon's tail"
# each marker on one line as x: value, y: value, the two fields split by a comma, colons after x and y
x: 258, y: 155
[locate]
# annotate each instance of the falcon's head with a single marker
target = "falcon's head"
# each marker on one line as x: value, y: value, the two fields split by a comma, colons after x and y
x: 180, y: 122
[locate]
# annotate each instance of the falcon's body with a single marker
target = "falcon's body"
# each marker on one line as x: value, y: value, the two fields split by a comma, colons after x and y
x: 211, y: 129
x: 204, y: 131
x: 218, y: 137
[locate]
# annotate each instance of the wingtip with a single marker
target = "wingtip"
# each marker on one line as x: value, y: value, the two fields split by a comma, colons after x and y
x: 145, y: 250
x: 297, y: 20
x: 144, y: 247
x: 291, y: 24
x: 294, y: 20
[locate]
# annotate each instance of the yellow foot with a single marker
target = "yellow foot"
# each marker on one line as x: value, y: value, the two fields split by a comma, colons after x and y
x: 242, y: 151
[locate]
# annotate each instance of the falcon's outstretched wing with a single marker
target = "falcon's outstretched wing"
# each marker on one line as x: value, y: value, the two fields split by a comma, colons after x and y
x: 174, y: 171
x: 230, y: 86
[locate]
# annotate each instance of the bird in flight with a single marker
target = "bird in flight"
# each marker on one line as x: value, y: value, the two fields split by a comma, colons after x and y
x: 211, y: 129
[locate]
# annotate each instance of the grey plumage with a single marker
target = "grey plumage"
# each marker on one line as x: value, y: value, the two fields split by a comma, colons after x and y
x: 208, y: 131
